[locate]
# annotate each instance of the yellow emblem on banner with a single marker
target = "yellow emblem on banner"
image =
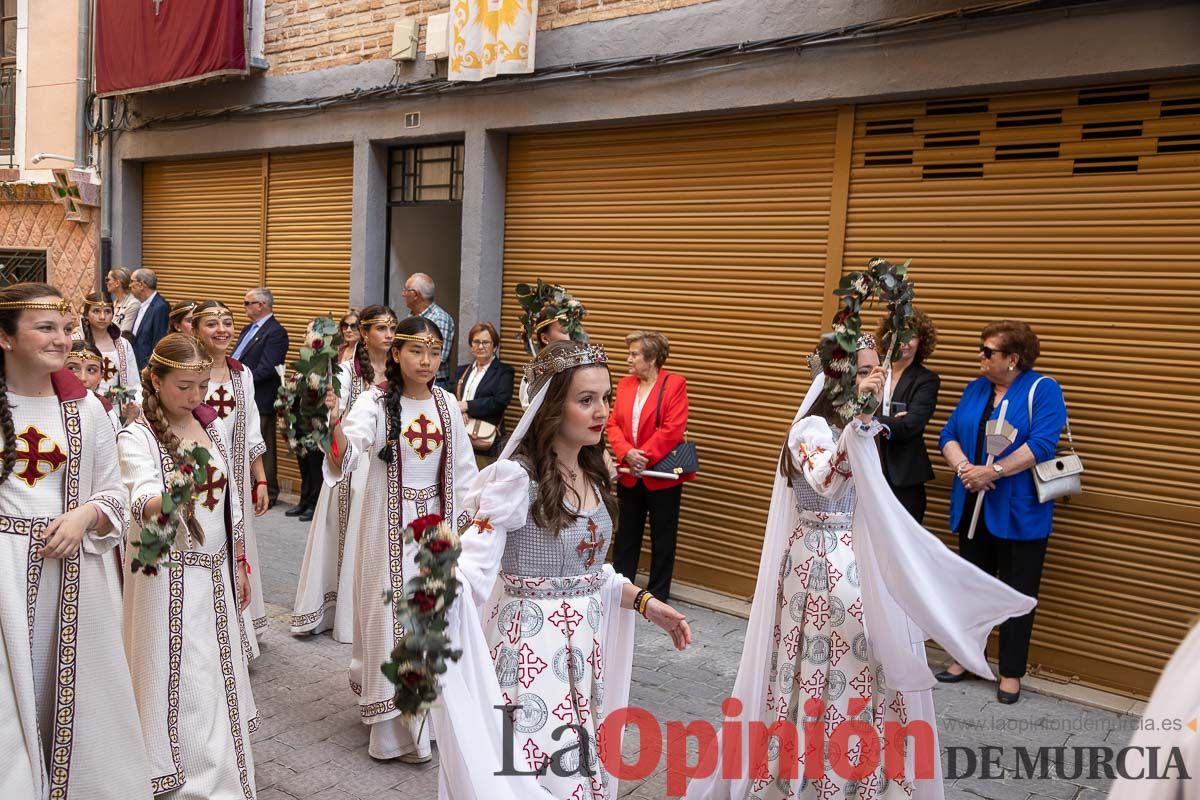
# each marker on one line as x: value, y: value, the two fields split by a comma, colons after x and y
x: 492, y: 37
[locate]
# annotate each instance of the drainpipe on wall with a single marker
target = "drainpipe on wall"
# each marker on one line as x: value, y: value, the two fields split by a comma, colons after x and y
x: 106, y: 191
x: 82, y: 81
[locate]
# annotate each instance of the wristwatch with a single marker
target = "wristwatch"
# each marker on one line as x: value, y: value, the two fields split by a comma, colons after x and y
x: 998, y: 467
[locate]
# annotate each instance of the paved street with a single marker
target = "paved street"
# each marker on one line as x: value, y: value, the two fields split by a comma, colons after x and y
x: 311, y: 745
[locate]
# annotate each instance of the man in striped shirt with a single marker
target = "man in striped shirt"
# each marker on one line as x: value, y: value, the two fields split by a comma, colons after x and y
x: 418, y: 296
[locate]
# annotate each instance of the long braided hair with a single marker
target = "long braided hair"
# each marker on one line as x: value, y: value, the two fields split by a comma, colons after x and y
x: 184, y: 349
x: 17, y: 293
x: 412, y: 326
x: 360, y: 354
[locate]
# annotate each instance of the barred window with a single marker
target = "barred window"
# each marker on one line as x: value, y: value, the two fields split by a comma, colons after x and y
x: 427, y: 173
x: 20, y: 266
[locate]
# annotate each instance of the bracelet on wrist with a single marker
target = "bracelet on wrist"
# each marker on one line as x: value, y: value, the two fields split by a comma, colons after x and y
x: 241, y: 559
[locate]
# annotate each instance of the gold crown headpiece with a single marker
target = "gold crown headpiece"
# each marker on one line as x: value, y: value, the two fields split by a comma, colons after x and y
x: 552, y: 361
x: 85, y: 355
x: 548, y: 321
x: 61, y: 306
x: 96, y: 304
x: 426, y: 338
x: 183, y: 310
x: 211, y: 311
x: 198, y: 366
x: 377, y: 320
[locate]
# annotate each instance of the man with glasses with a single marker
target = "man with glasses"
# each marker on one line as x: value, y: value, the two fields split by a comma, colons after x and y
x: 418, y: 297
x: 153, y: 316
x: 262, y: 347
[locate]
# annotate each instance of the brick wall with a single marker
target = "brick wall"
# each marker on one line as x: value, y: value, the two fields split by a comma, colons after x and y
x: 304, y: 35
x: 31, y: 219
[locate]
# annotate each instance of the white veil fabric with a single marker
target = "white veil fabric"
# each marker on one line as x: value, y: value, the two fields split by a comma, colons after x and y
x: 469, y: 731
x: 913, y: 588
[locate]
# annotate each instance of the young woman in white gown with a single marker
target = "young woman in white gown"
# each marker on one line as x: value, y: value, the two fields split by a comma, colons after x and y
x: 68, y: 723
x: 849, y: 587
x: 183, y: 625
x: 231, y: 395
x: 545, y: 625
x: 119, y: 364
x: 327, y: 574
x: 414, y: 447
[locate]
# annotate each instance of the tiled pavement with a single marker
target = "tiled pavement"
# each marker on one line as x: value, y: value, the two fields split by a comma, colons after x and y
x: 311, y: 746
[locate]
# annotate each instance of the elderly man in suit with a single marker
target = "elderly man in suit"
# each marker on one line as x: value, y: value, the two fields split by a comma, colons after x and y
x: 262, y: 347
x: 153, y: 316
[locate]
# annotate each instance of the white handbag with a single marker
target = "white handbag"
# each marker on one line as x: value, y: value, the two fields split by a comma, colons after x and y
x: 1058, y: 476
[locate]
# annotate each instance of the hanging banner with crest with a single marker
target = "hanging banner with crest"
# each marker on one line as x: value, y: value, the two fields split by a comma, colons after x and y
x: 491, y: 37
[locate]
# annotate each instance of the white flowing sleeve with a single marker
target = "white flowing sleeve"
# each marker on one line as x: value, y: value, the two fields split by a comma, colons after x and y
x: 466, y: 472
x: 359, y: 427
x: 345, y: 382
x: 107, y: 492
x: 141, y: 469
x: 254, y: 437
x: 502, y: 490
x: 234, y: 492
x: 822, y: 461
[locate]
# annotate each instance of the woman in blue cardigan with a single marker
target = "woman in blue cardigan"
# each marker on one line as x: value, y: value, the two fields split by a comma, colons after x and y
x: 1010, y: 537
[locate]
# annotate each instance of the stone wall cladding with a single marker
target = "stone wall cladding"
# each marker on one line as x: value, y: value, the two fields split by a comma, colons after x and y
x: 306, y: 35
x: 31, y: 220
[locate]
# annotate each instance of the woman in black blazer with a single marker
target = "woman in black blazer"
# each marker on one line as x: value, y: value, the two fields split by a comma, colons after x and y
x: 484, y: 387
x: 913, y: 397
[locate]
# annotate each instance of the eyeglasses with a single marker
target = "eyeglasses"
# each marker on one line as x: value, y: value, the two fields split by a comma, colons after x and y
x: 248, y: 303
x: 349, y: 326
x: 480, y: 342
x: 987, y: 352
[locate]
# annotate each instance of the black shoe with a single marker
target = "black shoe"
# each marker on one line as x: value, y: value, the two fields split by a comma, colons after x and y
x: 946, y: 676
x: 307, y: 515
x: 1007, y: 698
x: 295, y: 510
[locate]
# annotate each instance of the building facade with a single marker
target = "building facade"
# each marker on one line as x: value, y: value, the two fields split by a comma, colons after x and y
x: 49, y: 223
x: 1041, y: 163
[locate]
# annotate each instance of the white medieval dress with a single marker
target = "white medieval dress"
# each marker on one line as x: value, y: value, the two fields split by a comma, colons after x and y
x: 182, y: 630
x: 433, y: 466
x: 233, y: 401
x: 67, y: 712
x: 327, y: 573
x: 849, y: 588
x: 541, y: 627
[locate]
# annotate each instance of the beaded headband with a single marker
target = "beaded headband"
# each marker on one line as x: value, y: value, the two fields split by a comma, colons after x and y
x: 550, y: 363
x: 197, y: 366
x: 362, y: 323
x: 546, y: 323
x: 62, y: 306
x: 211, y: 311
x: 183, y: 311
x: 427, y: 339
x: 97, y: 304
x: 84, y: 355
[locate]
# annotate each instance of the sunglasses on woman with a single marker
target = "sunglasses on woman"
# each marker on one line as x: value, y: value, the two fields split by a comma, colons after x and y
x: 986, y: 352
x: 349, y: 326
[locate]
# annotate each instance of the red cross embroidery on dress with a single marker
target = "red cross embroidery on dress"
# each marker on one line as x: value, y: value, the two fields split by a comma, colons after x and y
x: 30, y: 450
x: 807, y: 456
x: 222, y: 402
x: 212, y: 488
x: 423, y: 436
x: 110, y: 369
x: 836, y: 468
x: 482, y: 524
x: 590, y: 545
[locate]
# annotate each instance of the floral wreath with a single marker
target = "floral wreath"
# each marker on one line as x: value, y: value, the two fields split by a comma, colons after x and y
x: 881, y: 282
x: 419, y: 658
x: 158, y: 535
x: 301, y: 399
x: 545, y: 304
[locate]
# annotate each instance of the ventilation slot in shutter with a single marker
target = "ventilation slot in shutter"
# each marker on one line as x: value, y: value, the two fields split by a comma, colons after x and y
x: 887, y: 158
x: 1014, y: 152
x: 889, y: 127
x: 1183, y: 143
x: 1025, y: 119
x: 952, y: 139
x: 945, y: 108
x: 1137, y: 93
x: 1180, y: 107
x: 1098, y: 164
x: 1112, y: 130
x: 940, y: 171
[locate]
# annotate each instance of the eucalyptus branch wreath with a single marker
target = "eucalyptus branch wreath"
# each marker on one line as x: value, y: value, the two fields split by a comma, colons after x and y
x: 881, y: 282
x: 300, y: 402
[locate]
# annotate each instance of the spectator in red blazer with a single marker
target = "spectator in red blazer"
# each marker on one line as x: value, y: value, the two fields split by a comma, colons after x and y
x: 649, y: 418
